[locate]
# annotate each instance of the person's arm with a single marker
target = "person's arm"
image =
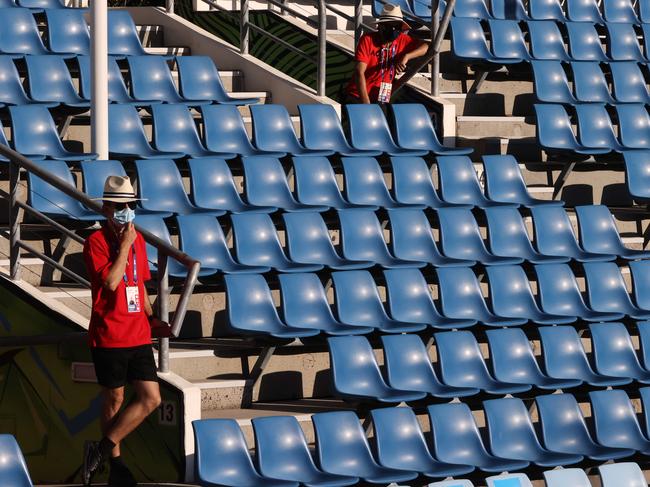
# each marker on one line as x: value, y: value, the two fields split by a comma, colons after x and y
x: 403, y: 60
x: 116, y: 271
x: 360, y: 78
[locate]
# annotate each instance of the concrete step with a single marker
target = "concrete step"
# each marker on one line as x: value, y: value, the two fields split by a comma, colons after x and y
x: 168, y: 51
x: 495, y: 127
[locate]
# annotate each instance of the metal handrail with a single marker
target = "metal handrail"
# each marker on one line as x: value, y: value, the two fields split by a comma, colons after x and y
x: 165, y: 251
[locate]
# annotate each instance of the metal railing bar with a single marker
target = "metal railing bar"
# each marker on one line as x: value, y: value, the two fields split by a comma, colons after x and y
x: 348, y: 17
x: 294, y: 49
x: 294, y: 12
x: 48, y: 260
x: 181, y: 307
x: 51, y: 222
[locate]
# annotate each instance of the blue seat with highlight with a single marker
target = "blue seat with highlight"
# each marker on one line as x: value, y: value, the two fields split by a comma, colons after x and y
x: 555, y: 133
x: 589, y: 82
x: 19, y: 33
x: 123, y: 37
x: 546, y: 10
x: 468, y: 44
x: 13, y: 469
x: 67, y: 31
x: 412, y: 183
x: 155, y: 224
x: 251, y: 310
x: 619, y: 11
x: 508, y: 39
x: 584, y: 42
x: 595, y: 127
x: 584, y: 11
x: 356, y: 374
x: 401, y: 444
x: 607, y: 291
x: 117, y: 90
x: 315, y: 183
x: 282, y: 453
x: 358, y: 303
x: 472, y: 8
x: 546, y: 41
x: 641, y: 283
x: 622, y: 41
x: 11, y: 85
x: 222, y: 456
x: 637, y: 174
x: 505, y: 9
x: 628, y: 83
x: 634, y: 127
x: 551, y: 82
x: 151, y: 79
x: 625, y: 474
x: 365, y: 185
x: 614, y: 353
x: 94, y: 174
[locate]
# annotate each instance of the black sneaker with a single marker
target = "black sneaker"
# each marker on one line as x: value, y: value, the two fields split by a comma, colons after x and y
x: 121, y: 476
x: 93, y: 459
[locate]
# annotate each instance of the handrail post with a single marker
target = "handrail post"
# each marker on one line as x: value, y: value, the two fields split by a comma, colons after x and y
x: 435, y: 62
x: 322, y: 48
x: 14, y: 221
x: 163, y: 309
x: 358, y: 20
x: 170, y: 6
x: 244, y: 31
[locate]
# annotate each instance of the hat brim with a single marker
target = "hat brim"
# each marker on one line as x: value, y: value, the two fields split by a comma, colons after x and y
x: 113, y: 199
x: 393, y: 20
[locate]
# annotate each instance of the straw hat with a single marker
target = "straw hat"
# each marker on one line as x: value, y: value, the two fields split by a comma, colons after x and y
x: 118, y: 189
x: 392, y: 13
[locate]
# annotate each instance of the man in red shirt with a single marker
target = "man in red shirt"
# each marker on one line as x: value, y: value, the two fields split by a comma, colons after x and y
x: 380, y: 56
x: 120, y: 329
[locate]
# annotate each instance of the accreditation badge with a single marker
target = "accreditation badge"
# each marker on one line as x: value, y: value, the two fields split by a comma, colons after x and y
x: 385, y: 90
x: 133, y: 299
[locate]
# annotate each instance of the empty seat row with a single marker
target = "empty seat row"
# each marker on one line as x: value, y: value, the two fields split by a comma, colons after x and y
x: 36, y: 6
x: 402, y: 450
x: 595, y: 132
x: 590, y: 82
x: 545, y: 41
x: 461, y: 370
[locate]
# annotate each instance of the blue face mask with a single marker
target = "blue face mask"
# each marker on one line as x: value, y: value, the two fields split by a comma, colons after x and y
x: 124, y: 216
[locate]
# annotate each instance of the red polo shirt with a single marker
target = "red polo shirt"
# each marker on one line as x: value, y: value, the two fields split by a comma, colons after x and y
x: 369, y: 52
x: 111, y: 325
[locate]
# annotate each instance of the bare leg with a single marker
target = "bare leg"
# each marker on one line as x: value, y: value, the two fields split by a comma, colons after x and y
x: 112, y: 400
x: 146, y: 401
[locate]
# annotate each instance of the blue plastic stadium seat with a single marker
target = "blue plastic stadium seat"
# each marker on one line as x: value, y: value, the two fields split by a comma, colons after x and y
x: 224, y: 130
x: 607, y: 291
x: 625, y: 474
x: 117, y: 90
x: 584, y: 11
x: 321, y: 129
x: 52, y: 201
x: 11, y: 86
x: 127, y: 138
x: 546, y: 10
x: 554, y: 235
x: 123, y: 37
x: 304, y: 305
x: 472, y: 8
x: 401, y: 444
x: 266, y: 185
x: 161, y: 188
x: 508, y: 237
x: 257, y: 243
x: 564, y: 430
x: 619, y: 11
x: 560, y: 295
x: 151, y: 79
x: 315, y: 183
x: 509, y: 480
x: 512, y: 434
x: 634, y: 128
x: 615, y: 421
x: 213, y: 187
x: 584, y: 41
x: 598, y: 233
x: 641, y: 283
x: 13, y: 469
x: 49, y: 81
x: 309, y: 242
x: 358, y: 303
x: 19, y: 33
x: 637, y: 174
x: 546, y: 41
x: 513, y: 360
x: 468, y: 43
x: 409, y: 368
x: 644, y: 11
x: 565, y: 357
x: 622, y: 42
x: 461, y: 298
x: 511, y: 296
x: 412, y: 240
x: 643, y: 328
x: 251, y: 309
x: 504, y: 182
x: 412, y: 183
x: 221, y: 456
x: 282, y: 453
x: 37, y: 6
x: 461, y: 238
x: 614, y: 353
x: 201, y: 237
x: 644, y: 392
x: 362, y: 239
x: 67, y: 31
x: 199, y: 79
x: 365, y: 185
x: 459, y: 183
x: 410, y: 300
x: 155, y: 224
x: 589, y: 82
x: 414, y: 130
x: 34, y: 134
x: 356, y: 375
x: 595, y: 127
x: 174, y: 130
x: 343, y: 449
x: 455, y: 420
x: 508, y: 39
x: 506, y: 9
x: 369, y: 131
x: 462, y: 365
x: 551, y: 82
x: 273, y: 132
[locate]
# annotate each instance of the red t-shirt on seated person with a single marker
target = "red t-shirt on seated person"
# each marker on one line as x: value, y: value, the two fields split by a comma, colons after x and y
x: 369, y: 52
x: 111, y: 325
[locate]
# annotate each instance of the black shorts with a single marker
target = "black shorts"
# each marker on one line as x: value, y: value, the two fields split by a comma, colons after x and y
x: 115, y: 367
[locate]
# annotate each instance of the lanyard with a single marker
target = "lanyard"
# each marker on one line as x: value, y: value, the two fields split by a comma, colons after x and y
x: 135, y: 265
x: 385, y: 62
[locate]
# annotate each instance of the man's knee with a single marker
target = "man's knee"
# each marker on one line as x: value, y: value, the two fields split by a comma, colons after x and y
x: 150, y: 397
x: 113, y: 400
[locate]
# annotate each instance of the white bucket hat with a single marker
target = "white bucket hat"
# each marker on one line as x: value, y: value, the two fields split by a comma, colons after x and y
x: 392, y: 13
x: 118, y: 189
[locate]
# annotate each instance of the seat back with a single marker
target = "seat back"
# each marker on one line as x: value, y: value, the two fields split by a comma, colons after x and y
x: 583, y: 11
x: 619, y: 11
x: 472, y: 8
x: 507, y: 39
x: 315, y: 182
x: 615, y: 420
x: 224, y: 130
x: 613, y: 350
x: 155, y: 224
x: 510, y: 292
x: 460, y: 360
x: 50, y: 200
x: 117, y: 91
x: 412, y: 183
x: 558, y: 290
x: 637, y: 174
x: 458, y: 181
x: 598, y: 232
x: 563, y: 353
x: 95, y: 174
x: 151, y: 79
x: 273, y: 129
x: 11, y: 87
x: 551, y: 83
x: 266, y: 183
x: 507, y: 233
x: 510, y: 429
x: 408, y: 364
x: 174, y: 129
x: 321, y: 128
x: 589, y: 82
x: 563, y: 426
x: 626, y: 474
x: 512, y: 357
x: 362, y: 237
x: 414, y: 128
x: 584, y: 41
x: 546, y: 10
x: 622, y: 41
x: 357, y: 298
x: 369, y: 128
x: 13, y: 469
x: 33, y: 130
x: 250, y: 304
x: 201, y: 237
x: 460, y: 293
x: 49, y: 80
x: 409, y: 298
x: 364, y: 182
x: 554, y: 232
x: 123, y: 37
x: 468, y: 39
x: 641, y: 283
x: 213, y: 185
x: 199, y: 79
x: 595, y: 127
x: 411, y: 237
x: 125, y: 130
x: 628, y: 82
x: 67, y: 31
x: 634, y: 128
x: 161, y: 186
x: 304, y: 303
x: 19, y: 32
x: 354, y: 367
x: 502, y: 9
x: 546, y: 41
x: 606, y: 288
x: 554, y: 130
x: 256, y: 240
x: 460, y: 236
x: 308, y: 238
